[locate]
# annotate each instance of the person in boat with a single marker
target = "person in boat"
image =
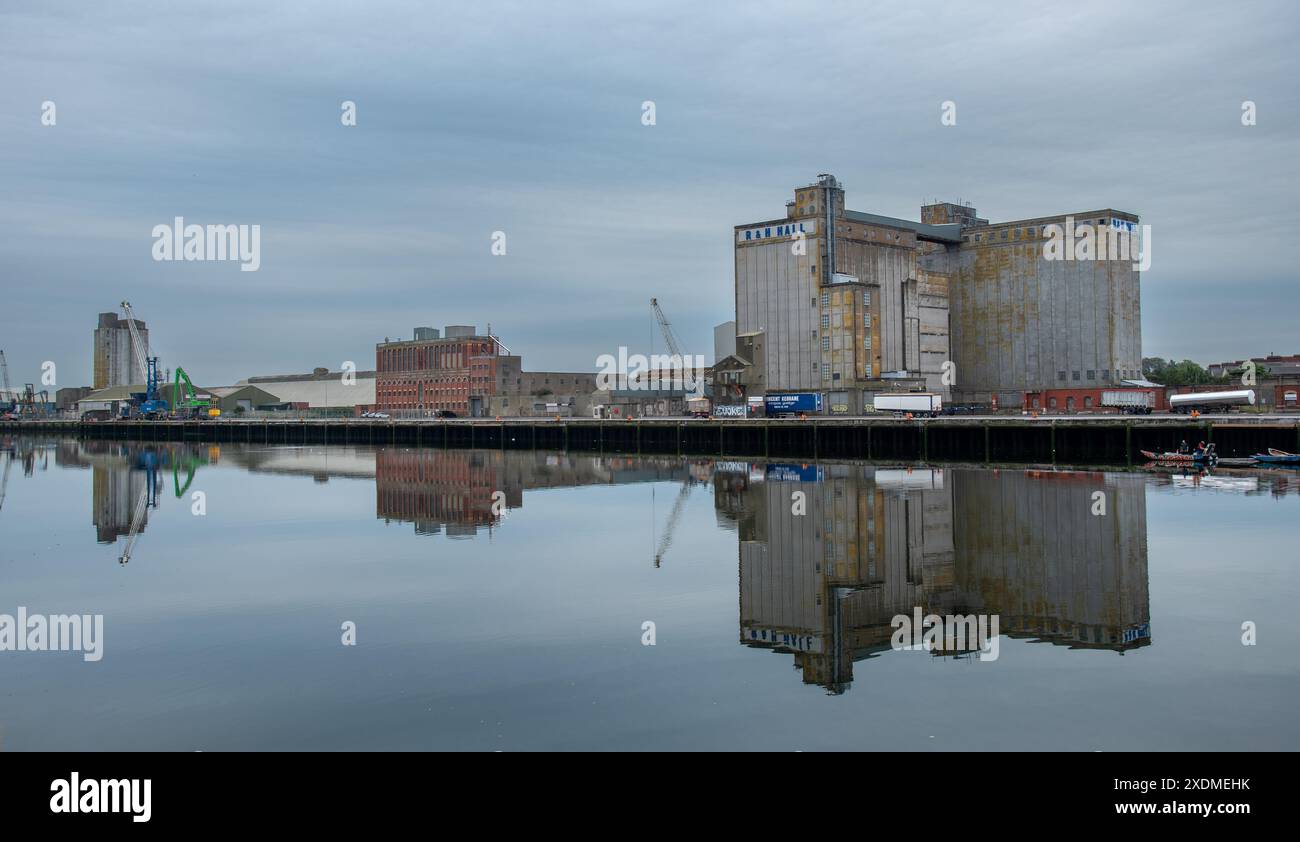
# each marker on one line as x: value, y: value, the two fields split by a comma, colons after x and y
x: 1182, y: 446
x: 1200, y: 449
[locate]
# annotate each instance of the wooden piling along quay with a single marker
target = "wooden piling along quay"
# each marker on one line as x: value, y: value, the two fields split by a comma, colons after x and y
x: 996, y: 439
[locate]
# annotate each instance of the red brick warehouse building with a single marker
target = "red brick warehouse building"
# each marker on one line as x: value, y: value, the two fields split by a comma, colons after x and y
x: 1087, y: 400
x: 456, y: 371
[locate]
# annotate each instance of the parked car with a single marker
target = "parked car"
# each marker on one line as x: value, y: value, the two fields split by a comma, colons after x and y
x: 445, y: 413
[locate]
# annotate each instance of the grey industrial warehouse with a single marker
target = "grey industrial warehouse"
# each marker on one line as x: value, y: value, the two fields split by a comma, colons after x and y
x: 847, y: 304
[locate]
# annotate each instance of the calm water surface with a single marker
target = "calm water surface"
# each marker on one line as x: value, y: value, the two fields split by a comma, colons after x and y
x: 499, y: 600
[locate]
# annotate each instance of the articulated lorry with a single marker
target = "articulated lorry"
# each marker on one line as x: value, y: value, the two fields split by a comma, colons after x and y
x: 1129, y: 401
x: 924, y: 404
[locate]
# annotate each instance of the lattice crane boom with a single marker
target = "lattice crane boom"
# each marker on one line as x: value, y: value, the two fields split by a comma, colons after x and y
x: 137, y: 343
x: 669, y: 338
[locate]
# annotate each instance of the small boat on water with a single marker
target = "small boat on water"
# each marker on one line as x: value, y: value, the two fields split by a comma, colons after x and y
x: 1273, y: 451
x: 1271, y: 458
x: 1180, y: 458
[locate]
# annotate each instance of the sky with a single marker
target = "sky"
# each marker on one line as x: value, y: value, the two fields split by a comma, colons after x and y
x: 526, y: 118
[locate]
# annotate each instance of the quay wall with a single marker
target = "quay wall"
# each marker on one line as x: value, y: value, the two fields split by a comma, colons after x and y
x: 1008, y: 439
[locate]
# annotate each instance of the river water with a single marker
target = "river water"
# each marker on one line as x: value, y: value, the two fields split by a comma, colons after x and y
x: 399, y: 598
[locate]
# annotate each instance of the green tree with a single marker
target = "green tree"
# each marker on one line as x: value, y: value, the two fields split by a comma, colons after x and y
x: 1183, y: 373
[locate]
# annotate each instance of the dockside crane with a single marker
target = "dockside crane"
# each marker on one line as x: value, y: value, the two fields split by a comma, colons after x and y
x: 137, y: 521
x: 187, y: 404
x: 675, y: 515
x: 148, y: 498
x: 151, y: 404
x: 27, y: 401
x: 670, y: 339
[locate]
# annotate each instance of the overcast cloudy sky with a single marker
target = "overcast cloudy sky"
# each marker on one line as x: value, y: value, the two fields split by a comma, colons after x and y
x: 526, y: 118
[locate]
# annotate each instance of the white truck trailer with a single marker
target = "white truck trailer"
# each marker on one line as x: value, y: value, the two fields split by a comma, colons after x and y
x: 925, y: 404
x: 1211, y: 401
x: 1130, y: 401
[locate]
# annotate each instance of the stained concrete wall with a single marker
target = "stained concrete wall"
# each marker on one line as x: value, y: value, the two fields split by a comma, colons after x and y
x: 886, y: 536
x: 1031, y: 550
x: 873, y: 543
x: 776, y: 292
x: 1019, y: 320
x: 994, y: 305
x: 114, y: 362
x: 887, y: 268
x: 724, y: 340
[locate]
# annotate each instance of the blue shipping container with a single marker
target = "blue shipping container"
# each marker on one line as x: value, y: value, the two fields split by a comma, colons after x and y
x: 794, y: 473
x: 794, y: 402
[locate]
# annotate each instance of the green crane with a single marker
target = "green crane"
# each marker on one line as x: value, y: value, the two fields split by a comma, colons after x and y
x: 186, y: 403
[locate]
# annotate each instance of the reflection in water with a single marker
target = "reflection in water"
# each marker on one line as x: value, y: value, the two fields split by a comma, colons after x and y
x: 453, y: 490
x: 828, y: 554
x: 127, y: 478
x: 879, y: 542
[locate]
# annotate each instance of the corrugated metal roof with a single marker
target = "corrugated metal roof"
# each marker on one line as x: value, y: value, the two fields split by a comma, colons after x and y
x: 114, y: 393
x: 950, y: 233
x: 122, y: 393
x: 321, y: 392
